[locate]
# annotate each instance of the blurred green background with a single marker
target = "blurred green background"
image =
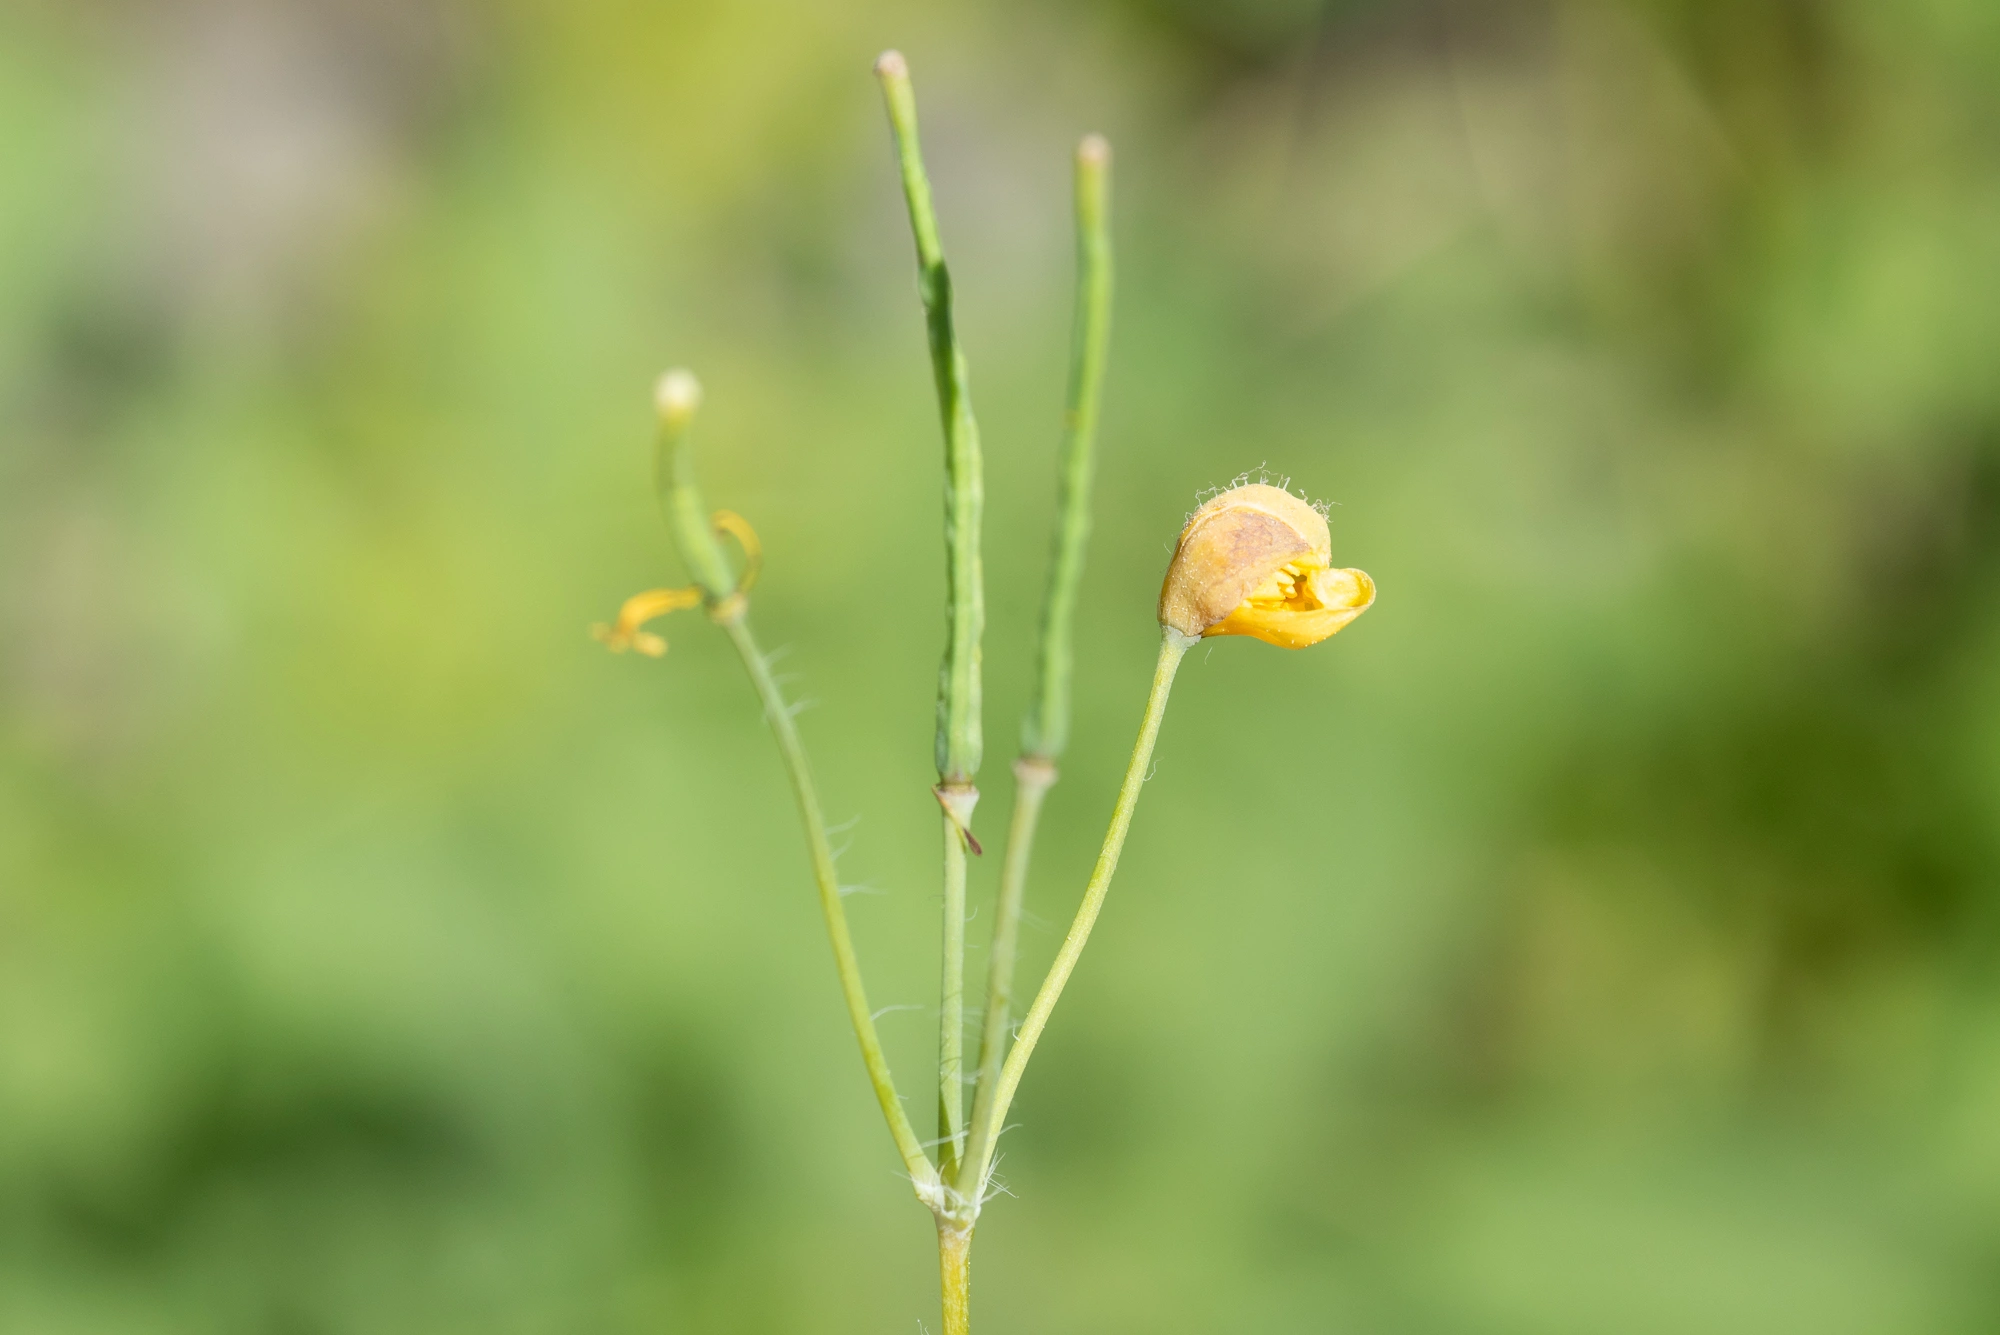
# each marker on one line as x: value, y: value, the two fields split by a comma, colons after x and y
x: 1600, y: 936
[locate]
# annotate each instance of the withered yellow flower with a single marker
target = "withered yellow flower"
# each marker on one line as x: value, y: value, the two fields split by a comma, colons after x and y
x: 1258, y: 561
x: 640, y: 608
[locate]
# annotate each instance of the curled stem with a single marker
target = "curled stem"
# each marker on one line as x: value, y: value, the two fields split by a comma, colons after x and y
x: 1173, y: 646
x: 694, y: 534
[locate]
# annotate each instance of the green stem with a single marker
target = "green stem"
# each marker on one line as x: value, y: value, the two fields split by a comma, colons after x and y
x: 1033, y: 777
x: 779, y: 716
x: 1173, y: 645
x: 688, y: 519
x: 951, y: 1009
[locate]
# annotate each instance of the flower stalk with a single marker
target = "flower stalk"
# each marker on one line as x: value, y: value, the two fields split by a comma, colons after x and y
x: 1173, y: 647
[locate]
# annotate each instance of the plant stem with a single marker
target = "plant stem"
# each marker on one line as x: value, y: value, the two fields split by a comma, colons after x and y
x: 688, y: 520
x: 951, y: 1009
x: 1033, y: 777
x: 1045, y: 727
x: 955, y: 1272
x: 922, y: 1174
x: 1173, y: 646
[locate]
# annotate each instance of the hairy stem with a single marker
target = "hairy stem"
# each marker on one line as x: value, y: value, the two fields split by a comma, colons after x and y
x: 782, y: 726
x: 689, y: 521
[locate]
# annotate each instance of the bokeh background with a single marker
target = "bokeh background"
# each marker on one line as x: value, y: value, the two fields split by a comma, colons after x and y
x: 1600, y: 936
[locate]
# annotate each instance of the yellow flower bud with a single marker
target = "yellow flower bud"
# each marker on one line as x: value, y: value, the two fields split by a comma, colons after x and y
x: 1258, y: 561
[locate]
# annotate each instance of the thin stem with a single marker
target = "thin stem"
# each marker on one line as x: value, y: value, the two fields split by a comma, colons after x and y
x: 955, y: 1272
x: 1032, y: 780
x: 780, y: 718
x: 1173, y: 645
x: 951, y: 1009
x: 688, y: 519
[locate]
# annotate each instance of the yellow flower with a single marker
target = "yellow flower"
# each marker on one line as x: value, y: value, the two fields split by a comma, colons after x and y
x: 1258, y: 561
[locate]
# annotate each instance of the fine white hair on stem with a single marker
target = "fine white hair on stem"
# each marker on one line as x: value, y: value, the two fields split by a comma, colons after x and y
x: 903, y: 1006
x: 861, y: 888
x: 994, y: 1186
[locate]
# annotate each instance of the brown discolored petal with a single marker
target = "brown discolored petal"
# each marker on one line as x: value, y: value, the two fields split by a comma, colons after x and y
x: 1231, y: 546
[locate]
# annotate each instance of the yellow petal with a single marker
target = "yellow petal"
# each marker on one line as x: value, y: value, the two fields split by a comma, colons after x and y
x: 1335, y: 598
x: 637, y: 611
